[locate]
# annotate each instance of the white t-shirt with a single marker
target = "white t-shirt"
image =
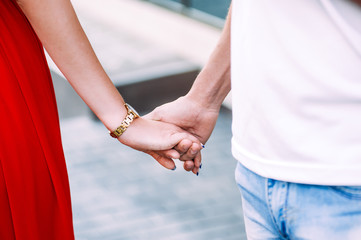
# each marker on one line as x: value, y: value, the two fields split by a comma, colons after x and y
x: 296, y: 89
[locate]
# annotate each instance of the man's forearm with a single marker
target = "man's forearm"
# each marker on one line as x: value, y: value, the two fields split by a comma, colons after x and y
x: 214, y: 82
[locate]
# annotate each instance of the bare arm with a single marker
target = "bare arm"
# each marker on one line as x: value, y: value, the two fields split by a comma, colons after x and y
x: 214, y: 82
x: 57, y: 26
x: 197, y: 112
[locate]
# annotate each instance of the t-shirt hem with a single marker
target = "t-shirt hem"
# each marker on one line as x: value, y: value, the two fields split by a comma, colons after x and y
x: 315, y: 174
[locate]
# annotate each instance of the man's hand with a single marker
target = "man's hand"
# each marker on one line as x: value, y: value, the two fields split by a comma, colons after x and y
x: 198, y: 111
x: 191, y: 116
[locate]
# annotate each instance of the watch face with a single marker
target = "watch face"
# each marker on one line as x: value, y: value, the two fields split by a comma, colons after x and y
x: 132, y: 109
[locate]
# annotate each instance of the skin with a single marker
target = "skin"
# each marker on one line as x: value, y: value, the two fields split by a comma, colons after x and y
x: 197, y: 112
x: 58, y: 28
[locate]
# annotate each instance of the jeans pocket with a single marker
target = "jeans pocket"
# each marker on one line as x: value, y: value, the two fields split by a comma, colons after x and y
x: 351, y: 192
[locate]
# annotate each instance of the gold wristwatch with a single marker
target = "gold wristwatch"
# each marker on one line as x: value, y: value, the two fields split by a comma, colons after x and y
x: 131, y: 115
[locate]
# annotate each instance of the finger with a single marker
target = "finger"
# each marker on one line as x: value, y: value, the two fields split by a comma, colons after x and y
x: 149, y: 116
x: 152, y: 115
x: 192, y: 152
x: 188, y: 165
x: 198, y: 160
x: 195, y: 170
x: 164, y: 161
x: 171, y: 153
x: 178, y: 137
x: 183, y: 146
x: 197, y: 163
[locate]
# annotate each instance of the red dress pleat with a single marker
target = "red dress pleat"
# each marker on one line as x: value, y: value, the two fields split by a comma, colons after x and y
x: 34, y: 188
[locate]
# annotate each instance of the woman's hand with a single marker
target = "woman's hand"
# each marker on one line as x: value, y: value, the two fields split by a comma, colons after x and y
x: 58, y: 28
x: 159, y: 139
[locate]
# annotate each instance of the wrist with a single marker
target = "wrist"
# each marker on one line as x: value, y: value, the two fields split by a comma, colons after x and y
x: 130, y: 135
x: 202, y: 101
x: 210, y: 89
x: 130, y: 117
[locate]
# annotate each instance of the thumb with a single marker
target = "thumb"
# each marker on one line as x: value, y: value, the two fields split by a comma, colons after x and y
x: 153, y: 115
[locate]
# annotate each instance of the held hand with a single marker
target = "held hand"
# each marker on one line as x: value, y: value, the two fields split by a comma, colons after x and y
x: 158, y: 140
x: 192, y: 117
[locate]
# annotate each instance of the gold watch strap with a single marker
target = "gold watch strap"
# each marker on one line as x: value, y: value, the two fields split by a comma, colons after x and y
x: 131, y: 115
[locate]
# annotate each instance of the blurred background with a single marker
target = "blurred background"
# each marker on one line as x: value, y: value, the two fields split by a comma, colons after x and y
x: 152, y: 50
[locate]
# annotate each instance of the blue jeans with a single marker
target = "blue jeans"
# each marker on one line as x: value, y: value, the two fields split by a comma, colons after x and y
x: 282, y: 210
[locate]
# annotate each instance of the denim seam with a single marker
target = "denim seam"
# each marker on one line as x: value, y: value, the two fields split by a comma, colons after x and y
x: 285, y: 213
x: 269, y: 193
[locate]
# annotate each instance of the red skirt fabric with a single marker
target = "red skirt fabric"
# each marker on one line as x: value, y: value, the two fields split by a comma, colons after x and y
x: 34, y: 189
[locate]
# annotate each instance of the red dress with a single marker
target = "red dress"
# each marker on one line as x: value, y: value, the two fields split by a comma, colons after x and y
x: 34, y: 189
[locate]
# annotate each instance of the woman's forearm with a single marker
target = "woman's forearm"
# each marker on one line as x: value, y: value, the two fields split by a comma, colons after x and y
x: 58, y: 28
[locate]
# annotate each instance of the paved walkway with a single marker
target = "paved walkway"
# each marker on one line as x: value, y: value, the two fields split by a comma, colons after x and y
x: 121, y: 194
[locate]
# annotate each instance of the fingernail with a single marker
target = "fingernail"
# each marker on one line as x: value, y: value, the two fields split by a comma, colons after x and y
x: 197, y: 174
x: 203, y: 146
x: 175, y: 167
x: 200, y: 166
